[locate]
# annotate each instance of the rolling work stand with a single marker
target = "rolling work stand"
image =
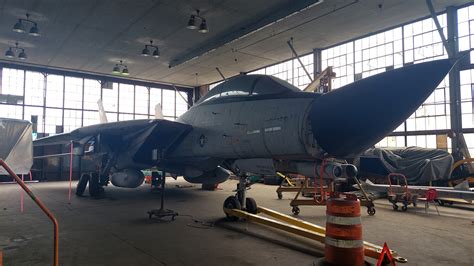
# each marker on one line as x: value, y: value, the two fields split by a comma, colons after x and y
x: 161, y: 212
x: 324, y: 193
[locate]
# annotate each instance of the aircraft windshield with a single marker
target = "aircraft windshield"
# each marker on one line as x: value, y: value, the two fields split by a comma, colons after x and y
x: 249, y: 85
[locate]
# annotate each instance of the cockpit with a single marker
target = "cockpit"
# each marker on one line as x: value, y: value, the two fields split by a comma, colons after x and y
x: 249, y: 85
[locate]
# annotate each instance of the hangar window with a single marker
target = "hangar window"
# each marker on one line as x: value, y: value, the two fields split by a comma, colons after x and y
x: 111, y: 117
x: 53, y: 119
x: 35, y: 111
x: 181, y: 103
x: 12, y: 81
x: 73, y: 93
x: 110, y: 98
x: 91, y: 118
x: 91, y: 94
x: 126, y: 98
x: 72, y: 120
x: 141, y: 100
x: 155, y: 98
x: 169, y: 103
x: 11, y: 111
x: 54, y: 91
x: 125, y: 117
x: 34, y: 88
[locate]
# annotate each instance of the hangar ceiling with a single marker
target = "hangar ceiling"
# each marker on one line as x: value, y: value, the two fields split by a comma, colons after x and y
x: 92, y: 36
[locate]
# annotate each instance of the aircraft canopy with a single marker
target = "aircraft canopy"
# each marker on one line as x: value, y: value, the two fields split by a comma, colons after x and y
x: 249, y: 85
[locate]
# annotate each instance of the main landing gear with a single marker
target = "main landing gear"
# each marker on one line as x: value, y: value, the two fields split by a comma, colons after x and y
x: 240, y: 201
x: 96, y: 184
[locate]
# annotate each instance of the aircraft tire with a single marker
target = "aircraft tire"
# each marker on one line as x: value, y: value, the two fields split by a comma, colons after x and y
x: 232, y: 203
x: 94, y: 186
x: 251, y: 205
x: 82, y: 184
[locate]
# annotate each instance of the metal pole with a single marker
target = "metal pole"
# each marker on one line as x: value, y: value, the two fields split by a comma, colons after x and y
x: 298, y: 58
x: 42, y: 207
x: 163, y: 191
x: 220, y: 73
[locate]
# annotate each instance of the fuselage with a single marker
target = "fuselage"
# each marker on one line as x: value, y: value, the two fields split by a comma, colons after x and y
x: 266, y: 119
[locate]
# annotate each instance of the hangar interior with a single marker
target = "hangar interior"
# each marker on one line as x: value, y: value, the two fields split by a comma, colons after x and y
x: 65, y: 60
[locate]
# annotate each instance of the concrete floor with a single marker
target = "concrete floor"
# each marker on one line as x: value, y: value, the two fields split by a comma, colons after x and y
x: 116, y: 230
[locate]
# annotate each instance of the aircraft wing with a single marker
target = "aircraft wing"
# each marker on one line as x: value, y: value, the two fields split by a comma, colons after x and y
x: 138, y: 137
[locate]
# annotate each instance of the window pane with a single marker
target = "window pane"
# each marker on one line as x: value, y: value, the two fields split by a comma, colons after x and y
x: 54, y: 91
x: 91, y: 118
x: 126, y: 92
x: 73, y: 93
x: 141, y: 100
x: 181, y: 103
x: 169, y: 103
x: 155, y: 98
x: 110, y: 98
x: 124, y: 117
x: 11, y: 111
x: 72, y: 120
x: 34, y: 88
x: 12, y: 81
x: 54, y: 117
x: 37, y: 111
x: 91, y: 94
x: 111, y: 117
x: 141, y: 117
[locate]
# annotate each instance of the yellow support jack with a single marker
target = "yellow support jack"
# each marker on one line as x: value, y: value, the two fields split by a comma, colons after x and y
x: 301, y: 228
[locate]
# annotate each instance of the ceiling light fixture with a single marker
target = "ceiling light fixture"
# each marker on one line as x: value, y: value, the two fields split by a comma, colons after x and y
x: 10, y: 53
x: 120, y: 69
x: 21, y: 27
x: 192, y: 23
x: 146, y: 51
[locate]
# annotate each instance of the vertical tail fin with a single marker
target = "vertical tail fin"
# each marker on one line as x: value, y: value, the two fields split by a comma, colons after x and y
x: 102, y: 115
x: 158, y: 112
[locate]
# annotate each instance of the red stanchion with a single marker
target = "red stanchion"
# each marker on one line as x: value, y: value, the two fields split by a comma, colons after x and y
x: 22, y: 195
x: 70, y: 172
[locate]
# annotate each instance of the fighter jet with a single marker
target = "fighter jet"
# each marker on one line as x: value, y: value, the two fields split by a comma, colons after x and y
x: 258, y: 124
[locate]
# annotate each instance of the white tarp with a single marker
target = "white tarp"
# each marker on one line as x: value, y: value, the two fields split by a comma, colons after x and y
x: 16, y: 145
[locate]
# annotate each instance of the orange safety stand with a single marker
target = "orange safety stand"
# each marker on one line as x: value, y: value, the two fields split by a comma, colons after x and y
x: 43, y: 208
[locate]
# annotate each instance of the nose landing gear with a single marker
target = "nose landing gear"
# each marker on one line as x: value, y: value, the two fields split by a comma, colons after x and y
x: 240, y: 201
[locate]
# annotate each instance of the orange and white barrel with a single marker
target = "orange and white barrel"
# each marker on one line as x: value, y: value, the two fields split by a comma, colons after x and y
x: 343, y: 243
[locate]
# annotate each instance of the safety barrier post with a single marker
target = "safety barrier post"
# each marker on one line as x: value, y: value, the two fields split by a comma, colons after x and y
x: 42, y: 207
x: 70, y: 171
x: 344, y: 244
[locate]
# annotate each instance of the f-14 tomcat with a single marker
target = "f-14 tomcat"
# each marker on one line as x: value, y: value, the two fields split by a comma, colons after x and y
x: 259, y: 124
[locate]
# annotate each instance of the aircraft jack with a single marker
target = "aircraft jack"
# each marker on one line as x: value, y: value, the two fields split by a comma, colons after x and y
x: 298, y: 227
x: 162, y: 212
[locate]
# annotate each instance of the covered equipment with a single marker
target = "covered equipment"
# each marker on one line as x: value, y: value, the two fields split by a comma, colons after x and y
x: 16, y: 146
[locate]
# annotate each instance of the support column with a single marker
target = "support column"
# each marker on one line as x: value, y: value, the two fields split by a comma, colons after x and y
x: 454, y: 78
x: 317, y: 62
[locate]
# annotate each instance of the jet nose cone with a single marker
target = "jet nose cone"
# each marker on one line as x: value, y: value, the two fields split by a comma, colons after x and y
x: 355, y: 117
